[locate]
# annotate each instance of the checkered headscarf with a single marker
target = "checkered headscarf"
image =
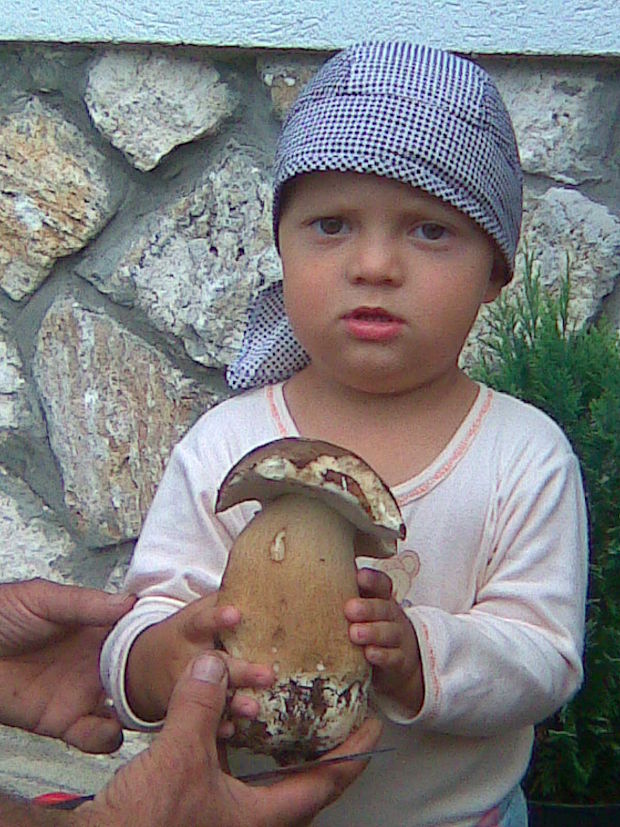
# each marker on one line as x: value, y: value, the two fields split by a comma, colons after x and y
x: 412, y: 113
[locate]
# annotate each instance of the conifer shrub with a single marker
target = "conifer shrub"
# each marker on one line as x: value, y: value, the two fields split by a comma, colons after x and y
x: 532, y: 352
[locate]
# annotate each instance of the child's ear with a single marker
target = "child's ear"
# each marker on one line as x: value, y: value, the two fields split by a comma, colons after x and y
x: 497, y: 281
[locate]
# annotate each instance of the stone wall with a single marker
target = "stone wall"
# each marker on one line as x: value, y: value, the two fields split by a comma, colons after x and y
x: 135, y: 229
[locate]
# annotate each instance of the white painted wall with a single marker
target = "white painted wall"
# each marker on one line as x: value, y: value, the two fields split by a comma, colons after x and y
x: 566, y: 27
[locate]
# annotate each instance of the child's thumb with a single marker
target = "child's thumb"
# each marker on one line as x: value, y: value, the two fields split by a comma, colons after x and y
x: 198, y: 699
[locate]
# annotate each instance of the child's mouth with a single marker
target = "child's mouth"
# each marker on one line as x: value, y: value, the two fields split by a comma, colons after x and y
x: 373, y: 324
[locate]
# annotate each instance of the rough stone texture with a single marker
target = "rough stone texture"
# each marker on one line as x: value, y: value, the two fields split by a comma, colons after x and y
x: 19, y: 411
x: 52, y: 67
x: 116, y: 578
x: 32, y: 541
x: 115, y: 407
x: 285, y: 75
x: 561, y: 222
x: 566, y: 123
x: 563, y: 120
x: 200, y: 261
x: 55, y: 194
x: 147, y: 101
x: 612, y: 307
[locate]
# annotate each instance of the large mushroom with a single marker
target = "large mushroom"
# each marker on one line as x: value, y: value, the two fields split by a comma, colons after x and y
x: 290, y: 572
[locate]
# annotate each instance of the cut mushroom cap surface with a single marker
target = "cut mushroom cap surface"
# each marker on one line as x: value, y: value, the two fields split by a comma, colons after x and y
x: 295, y: 465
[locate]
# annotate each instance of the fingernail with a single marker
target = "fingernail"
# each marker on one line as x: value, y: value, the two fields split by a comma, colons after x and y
x: 247, y: 708
x: 359, y: 634
x: 226, y: 730
x: 265, y: 678
x: 229, y: 614
x: 208, y: 668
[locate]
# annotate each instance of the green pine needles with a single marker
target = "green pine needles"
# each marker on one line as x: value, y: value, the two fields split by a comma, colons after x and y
x: 532, y: 352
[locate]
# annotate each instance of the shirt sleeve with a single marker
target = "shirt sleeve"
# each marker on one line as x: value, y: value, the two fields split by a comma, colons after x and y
x: 180, y: 556
x: 115, y: 652
x: 183, y: 546
x: 515, y: 656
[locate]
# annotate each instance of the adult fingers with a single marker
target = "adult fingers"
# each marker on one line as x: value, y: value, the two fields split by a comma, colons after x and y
x: 298, y: 799
x: 95, y: 735
x: 197, y: 703
x: 72, y: 605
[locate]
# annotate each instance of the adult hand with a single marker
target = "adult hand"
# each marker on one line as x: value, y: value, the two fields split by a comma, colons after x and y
x: 178, y: 781
x: 50, y: 639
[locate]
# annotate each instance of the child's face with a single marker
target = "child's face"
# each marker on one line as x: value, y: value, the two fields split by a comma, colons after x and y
x: 382, y: 282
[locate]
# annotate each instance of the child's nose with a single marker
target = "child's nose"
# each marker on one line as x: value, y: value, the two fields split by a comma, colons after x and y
x: 374, y: 260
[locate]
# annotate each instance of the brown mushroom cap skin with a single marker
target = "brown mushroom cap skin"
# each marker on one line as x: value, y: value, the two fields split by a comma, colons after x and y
x: 290, y: 572
x: 319, y: 469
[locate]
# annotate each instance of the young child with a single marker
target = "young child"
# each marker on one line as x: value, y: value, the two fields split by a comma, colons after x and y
x: 397, y: 213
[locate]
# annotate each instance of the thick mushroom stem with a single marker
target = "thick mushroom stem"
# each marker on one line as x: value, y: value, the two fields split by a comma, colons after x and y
x: 290, y: 572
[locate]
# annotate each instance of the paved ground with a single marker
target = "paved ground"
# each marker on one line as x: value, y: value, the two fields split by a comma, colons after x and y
x: 30, y: 765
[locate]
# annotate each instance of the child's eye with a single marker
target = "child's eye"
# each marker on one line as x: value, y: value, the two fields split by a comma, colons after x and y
x: 430, y: 231
x: 330, y: 226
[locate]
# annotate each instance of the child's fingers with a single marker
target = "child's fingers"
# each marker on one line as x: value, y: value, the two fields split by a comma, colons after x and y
x: 242, y: 706
x: 225, y: 730
x: 370, y: 610
x: 380, y: 658
x: 390, y: 660
x: 373, y: 583
x: 383, y: 633
x: 201, y: 620
x: 244, y: 673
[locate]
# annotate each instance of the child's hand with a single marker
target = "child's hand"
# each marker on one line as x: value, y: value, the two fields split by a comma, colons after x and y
x: 390, y: 643
x: 161, y: 653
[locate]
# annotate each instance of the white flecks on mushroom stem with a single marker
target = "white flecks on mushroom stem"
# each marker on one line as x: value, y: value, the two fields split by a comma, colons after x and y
x: 277, y: 549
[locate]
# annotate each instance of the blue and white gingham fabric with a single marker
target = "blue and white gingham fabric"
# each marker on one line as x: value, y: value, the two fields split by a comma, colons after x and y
x: 412, y: 113
x: 270, y: 350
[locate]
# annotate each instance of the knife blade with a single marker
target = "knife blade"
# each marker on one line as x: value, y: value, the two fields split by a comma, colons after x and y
x: 292, y: 769
x: 71, y: 801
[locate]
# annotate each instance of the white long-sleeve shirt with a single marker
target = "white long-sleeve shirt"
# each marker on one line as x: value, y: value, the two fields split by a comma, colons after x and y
x: 492, y: 575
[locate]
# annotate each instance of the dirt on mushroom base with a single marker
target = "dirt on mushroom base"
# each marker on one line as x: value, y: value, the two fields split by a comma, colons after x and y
x: 304, y: 716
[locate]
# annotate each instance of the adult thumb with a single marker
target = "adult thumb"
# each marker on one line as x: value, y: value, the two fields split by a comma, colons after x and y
x: 198, y: 699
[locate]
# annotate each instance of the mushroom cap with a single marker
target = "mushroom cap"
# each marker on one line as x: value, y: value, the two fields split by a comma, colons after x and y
x: 342, y: 479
